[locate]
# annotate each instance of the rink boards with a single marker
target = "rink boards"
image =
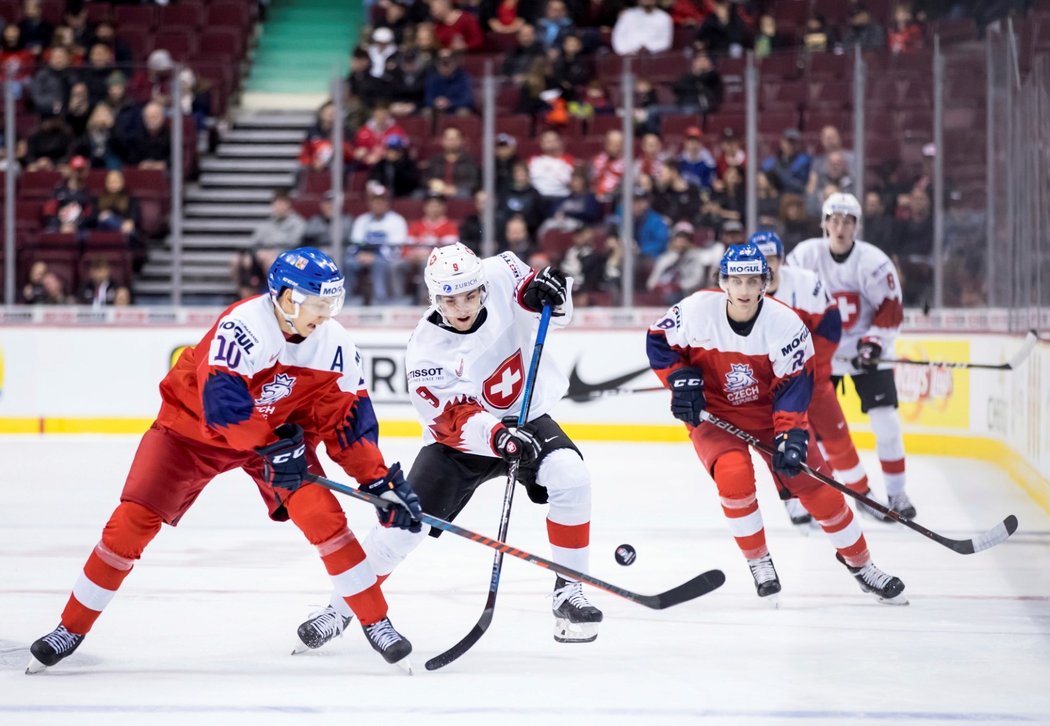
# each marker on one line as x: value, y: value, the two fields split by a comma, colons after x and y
x: 68, y: 377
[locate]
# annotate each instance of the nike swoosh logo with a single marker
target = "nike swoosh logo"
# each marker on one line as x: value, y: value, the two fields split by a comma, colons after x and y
x: 547, y: 441
x: 581, y: 391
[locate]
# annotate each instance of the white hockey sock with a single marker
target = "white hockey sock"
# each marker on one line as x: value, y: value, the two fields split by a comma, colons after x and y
x: 889, y: 443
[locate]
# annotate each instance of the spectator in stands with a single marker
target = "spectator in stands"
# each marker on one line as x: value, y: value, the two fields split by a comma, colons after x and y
x: 453, y: 167
x: 48, y: 145
x: 574, y: 68
x: 195, y: 100
x: 818, y: 36
x: 904, y: 34
x: 518, y: 62
x: 317, y: 149
x: 396, y: 170
x: 596, y: 100
x: 521, y: 198
x: 585, y: 264
x: 506, y: 157
x: 551, y: 169
x: 730, y: 194
x: 381, y: 50
x: 768, y: 195
x: 679, y: 270
x: 651, y: 231
x: 913, y: 236
x: 36, y: 32
x: 33, y: 291
x: 426, y: 43
x: 684, y: 13
x: 63, y: 38
x: 376, y: 240
x: 364, y: 90
x: 447, y: 86
x: 370, y: 140
x: 723, y: 31
x: 71, y: 207
x: 318, y: 231
x: 700, y: 89
x: 791, y: 164
x: 455, y: 29
x: 149, y: 146
x: 732, y: 233
x: 504, y: 17
x: 517, y: 238
x: 554, y: 25
x: 283, y: 230
x: 769, y: 39
x: 644, y: 27
x: 580, y: 209
x: 695, y: 160
x: 394, y: 15
x: 836, y: 173
x: 126, y: 115
x: 118, y: 211
x: 607, y: 168
x: 795, y: 226
x: 878, y: 226
x: 647, y: 107
x: 472, y: 227
x: 96, y: 72
x: 651, y: 158
x: 154, y: 83
x: 100, y: 289
x: 408, y: 84
x: 16, y: 59
x: 730, y: 152
x: 105, y: 32
x: 78, y: 109
x: 75, y: 18
x: 863, y: 31
x: 830, y: 142
x: 674, y: 196
x: 54, y: 290
x: 539, y: 92
x: 49, y: 89
x: 434, y: 228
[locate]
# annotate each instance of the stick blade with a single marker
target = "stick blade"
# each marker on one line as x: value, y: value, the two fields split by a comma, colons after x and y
x: 699, y: 585
x: 996, y: 535
x: 443, y: 659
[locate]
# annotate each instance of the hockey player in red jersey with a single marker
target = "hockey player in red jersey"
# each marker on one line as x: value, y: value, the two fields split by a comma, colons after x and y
x: 749, y: 360
x: 864, y: 282
x: 467, y: 363
x: 271, y: 380
x: 803, y: 292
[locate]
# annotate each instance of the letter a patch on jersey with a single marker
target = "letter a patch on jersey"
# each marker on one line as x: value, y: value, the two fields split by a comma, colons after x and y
x: 503, y: 387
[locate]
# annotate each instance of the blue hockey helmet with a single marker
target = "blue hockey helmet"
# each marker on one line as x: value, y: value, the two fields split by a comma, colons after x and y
x: 745, y: 259
x: 312, y: 277
x: 768, y: 243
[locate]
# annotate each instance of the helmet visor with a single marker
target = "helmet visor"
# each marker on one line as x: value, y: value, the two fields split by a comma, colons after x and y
x: 326, y: 306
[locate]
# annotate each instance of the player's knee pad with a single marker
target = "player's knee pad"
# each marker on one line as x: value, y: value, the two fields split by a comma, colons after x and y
x: 386, y: 547
x: 734, y: 475
x: 886, y: 424
x: 568, y: 483
x: 316, y: 512
x: 130, y: 528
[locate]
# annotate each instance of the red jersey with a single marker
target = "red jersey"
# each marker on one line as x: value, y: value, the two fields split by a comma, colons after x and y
x: 749, y: 378
x: 803, y: 292
x: 245, y: 377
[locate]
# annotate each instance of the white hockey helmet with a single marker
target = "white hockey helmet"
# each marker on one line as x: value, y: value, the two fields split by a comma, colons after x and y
x: 453, y: 269
x: 842, y: 203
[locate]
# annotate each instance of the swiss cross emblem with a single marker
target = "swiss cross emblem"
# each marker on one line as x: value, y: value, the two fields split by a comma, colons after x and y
x: 849, y: 307
x: 503, y: 387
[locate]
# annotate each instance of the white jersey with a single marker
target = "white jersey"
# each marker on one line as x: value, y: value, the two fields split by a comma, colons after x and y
x: 802, y: 291
x: 865, y: 286
x: 463, y: 384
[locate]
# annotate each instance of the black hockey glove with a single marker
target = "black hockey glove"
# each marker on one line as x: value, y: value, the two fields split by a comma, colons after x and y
x: 791, y: 449
x: 405, y: 510
x: 687, y: 395
x: 546, y: 287
x: 869, y: 350
x: 521, y: 446
x: 284, y: 462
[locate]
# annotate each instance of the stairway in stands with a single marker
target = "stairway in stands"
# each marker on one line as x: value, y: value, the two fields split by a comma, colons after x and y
x: 257, y: 155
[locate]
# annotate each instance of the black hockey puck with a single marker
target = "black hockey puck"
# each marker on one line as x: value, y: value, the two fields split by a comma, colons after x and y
x: 626, y: 554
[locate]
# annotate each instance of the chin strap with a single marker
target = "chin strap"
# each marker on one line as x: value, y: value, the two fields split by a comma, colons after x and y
x: 290, y: 319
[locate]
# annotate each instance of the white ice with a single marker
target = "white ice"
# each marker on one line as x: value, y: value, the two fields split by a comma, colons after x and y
x: 202, y: 630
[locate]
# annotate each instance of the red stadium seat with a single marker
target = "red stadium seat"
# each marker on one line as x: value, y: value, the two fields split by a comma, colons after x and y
x: 181, y: 15
x: 58, y: 240
x: 556, y: 242
x: 39, y: 184
x: 97, y: 240
x: 133, y: 15
x: 180, y: 42
x: 224, y: 13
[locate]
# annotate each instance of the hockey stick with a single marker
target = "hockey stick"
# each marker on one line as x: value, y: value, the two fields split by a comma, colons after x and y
x: 443, y: 659
x: 605, y: 392
x: 1020, y: 357
x: 694, y: 588
x: 997, y: 534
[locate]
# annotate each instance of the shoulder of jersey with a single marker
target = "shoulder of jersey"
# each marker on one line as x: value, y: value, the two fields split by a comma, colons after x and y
x: 252, y: 321
x: 808, y: 245
x: 505, y: 266
x: 872, y: 252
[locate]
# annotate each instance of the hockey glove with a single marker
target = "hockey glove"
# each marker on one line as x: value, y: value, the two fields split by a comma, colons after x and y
x: 521, y: 446
x: 791, y: 448
x: 869, y: 350
x: 687, y: 395
x: 546, y: 287
x: 284, y: 462
x: 405, y: 511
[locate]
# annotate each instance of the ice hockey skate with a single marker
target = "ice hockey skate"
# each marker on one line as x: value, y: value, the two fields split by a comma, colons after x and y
x: 886, y: 588
x: 802, y: 519
x: 575, y: 619
x: 900, y: 504
x: 52, y: 648
x: 767, y: 583
x: 389, y: 643
x: 321, y: 627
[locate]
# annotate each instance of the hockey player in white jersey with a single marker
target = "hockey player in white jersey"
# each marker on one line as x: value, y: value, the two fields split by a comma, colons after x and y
x: 466, y: 365
x: 803, y: 292
x: 864, y: 282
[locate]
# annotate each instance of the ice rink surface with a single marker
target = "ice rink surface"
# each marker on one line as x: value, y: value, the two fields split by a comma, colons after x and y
x: 202, y: 630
